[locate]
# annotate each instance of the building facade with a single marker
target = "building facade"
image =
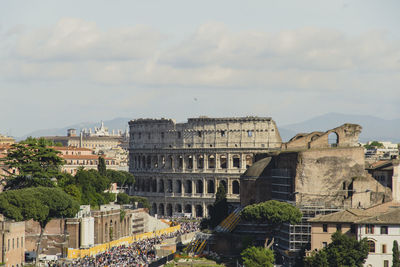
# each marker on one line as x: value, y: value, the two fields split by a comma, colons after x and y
x: 178, y: 166
x: 12, y: 242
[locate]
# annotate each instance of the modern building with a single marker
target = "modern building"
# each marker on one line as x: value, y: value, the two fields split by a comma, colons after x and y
x: 380, y: 225
x: 178, y: 166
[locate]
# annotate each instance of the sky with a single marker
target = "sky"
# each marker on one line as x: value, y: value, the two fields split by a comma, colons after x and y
x: 65, y: 62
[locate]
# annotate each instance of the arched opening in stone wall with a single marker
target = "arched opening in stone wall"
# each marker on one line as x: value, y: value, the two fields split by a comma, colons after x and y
x: 155, y: 162
x: 169, y: 210
x: 236, y: 161
x: 200, y: 162
x: 235, y: 187
x: 188, y: 188
x: 169, y: 186
x: 249, y: 161
x: 154, y: 186
x: 161, y: 186
x: 190, y: 162
x: 188, y: 208
x: 154, y: 208
x: 178, y: 186
x: 161, y: 209
x: 211, y: 162
x: 210, y: 187
x: 148, y: 162
x: 143, y: 162
x: 199, y: 211
x: 333, y: 139
x: 163, y: 161
x: 209, y: 208
x: 170, y: 162
x: 142, y: 185
x: 180, y: 162
x: 199, y: 187
x: 148, y: 185
x: 223, y: 183
x: 223, y: 162
x: 106, y: 235
x: 178, y: 208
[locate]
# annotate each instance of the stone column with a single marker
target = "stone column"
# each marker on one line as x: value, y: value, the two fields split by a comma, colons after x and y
x: 228, y: 161
x: 193, y: 187
x: 204, y: 186
x: 182, y: 187
x: 217, y: 161
x: 205, y: 161
x: 183, y: 162
x: 242, y: 161
x: 194, y: 160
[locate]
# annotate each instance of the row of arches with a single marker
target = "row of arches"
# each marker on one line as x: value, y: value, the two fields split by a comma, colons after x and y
x: 190, y: 162
x: 169, y: 209
x: 199, y: 186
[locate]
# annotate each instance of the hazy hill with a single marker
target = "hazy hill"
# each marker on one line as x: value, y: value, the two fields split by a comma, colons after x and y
x: 373, y: 128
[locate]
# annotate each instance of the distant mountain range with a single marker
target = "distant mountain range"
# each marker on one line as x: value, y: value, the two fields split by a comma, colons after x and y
x: 373, y: 128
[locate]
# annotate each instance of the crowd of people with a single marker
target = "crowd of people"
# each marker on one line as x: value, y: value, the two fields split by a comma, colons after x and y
x: 138, y: 254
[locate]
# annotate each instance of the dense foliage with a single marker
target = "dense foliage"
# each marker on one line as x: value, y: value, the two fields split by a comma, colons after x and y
x: 101, y: 167
x: 36, y: 164
x: 257, y: 257
x: 142, y: 202
x: 121, y: 178
x: 219, y: 211
x: 373, y: 145
x: 396, y: 254
x: 343, y: 251
x: 272, y: 212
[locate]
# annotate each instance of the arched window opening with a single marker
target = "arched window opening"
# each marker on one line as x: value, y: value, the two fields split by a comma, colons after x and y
x: 180, y: 162
x: 178, y: 208
x: 223, y: 183
x: 371, y: 246
x: 161, y: 186
x: 236, y: 161
x: 211, y: 162
x: 235, y: 187
x: 154, y: 186
x: 188, y: 188
x: 169, y: 186
x: 154, y: 208
x: 333, y: 139
x: 199, y: 211
x: 223, y: 162
x: 190, y: 162
x: 161, y: 209
x: 188, y: 208
x: 148, y: 165
x: 249, y: 161
x: 200, y: 162
x: 210, y: 187
x: 169, y: 210
x: 199, y: 187
x: 178, y: 186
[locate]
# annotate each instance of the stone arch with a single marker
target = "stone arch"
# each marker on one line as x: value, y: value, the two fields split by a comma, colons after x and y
x: 169, y: 210
x: 169, y: 186
x: 154, y: 185
x: 188, y: 208
x: 155, y: 162
x: 249, y: 161
x: 154, y: 208
x: 223, y: 163
x: 161, y: 186
x: 210, y: 187
x: 199, y: 187
x: 161, y: 210
x: 200, y: 162
x: 199, y: 211
x: 178, y: 208
x: 333, y: 139
x: 211, y: 162
x: 188, y: 187
x: 236, y: 161
x: 190, y: 162
x: 178, y: 186
x: 235, y: 187
x: 148, y: 162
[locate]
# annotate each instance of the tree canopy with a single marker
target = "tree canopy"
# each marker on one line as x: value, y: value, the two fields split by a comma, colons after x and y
x: 36, y: 164
x: 343, y: 251
x: 272, y: 212
x: 396, y: 255
x: 258, y: 257
x: 101, y: 166
x: 121, y: 178
x: 373, y: 145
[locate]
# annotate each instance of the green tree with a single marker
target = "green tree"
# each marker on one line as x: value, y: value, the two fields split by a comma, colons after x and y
x: 396, y: 256
x: 273, y: 213
x: 36, y: 164
x: 101, y: 166
x: 40, y: 204
x: 219, y: 211
x: 123, y: 198
x: 142, y: 201
x: 122, y: 178
x: 373, y: 145
x: 258, y: 257
x: 343, y: 251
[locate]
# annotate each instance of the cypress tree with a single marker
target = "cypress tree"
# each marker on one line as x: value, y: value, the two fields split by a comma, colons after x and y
x: 396, y: 260
x: 101, y: 167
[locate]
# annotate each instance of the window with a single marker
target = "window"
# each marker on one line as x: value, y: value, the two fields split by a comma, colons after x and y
x: 222, y: 133
x: 17, y: 242
x: 199, y: 133
x: 162, y: 135
x: 384, y: 230
x: 371, y: 246
x: 384, y: 248
x: 249, y: 133
x: 353, y: 229
x: 179, y: 135
x: 369, y: 229
x: 385, y: 263
x: 325, y: 228
x: 338, y: 227
x: 324, y: 244
x: 140, y: 135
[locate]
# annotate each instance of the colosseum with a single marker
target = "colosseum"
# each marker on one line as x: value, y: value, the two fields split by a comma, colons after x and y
x: 178, y: 166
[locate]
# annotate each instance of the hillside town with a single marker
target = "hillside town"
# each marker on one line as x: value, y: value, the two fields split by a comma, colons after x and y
x: 205, y: 188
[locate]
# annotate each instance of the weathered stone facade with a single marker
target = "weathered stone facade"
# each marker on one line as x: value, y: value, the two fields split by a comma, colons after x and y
x: 178, y: 166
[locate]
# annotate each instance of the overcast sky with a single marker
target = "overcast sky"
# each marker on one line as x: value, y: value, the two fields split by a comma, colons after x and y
x: 65, y: 62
